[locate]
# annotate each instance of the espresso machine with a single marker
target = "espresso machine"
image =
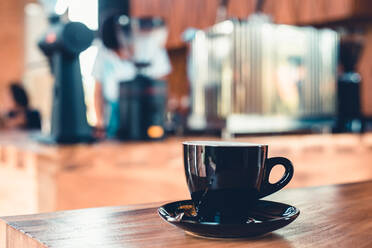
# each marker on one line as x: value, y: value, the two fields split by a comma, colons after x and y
x: 62, y: 43
x: 254, y: 76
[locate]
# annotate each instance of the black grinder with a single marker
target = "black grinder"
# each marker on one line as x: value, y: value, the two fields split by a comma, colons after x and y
x: 62, y: 44
x: 142, y: 107
x: 349, y: 82
x: 143, y: 100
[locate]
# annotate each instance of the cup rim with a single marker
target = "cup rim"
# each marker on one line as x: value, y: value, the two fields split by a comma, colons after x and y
x: 221, y: 143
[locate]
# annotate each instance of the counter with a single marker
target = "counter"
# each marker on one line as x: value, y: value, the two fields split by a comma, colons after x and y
x: 331, y: 216
x: 39, y: 178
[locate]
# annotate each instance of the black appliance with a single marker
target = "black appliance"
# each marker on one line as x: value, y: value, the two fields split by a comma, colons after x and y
x: 348, y: 91
x: 62, y: 43
x: 142, y: 107
x: 142, y: 101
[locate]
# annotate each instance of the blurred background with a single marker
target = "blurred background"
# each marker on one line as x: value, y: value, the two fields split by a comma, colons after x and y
x: 98, y: 95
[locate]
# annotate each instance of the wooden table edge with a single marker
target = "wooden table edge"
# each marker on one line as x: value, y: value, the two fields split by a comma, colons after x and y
x: 8, y: 232
x: 21, y: 239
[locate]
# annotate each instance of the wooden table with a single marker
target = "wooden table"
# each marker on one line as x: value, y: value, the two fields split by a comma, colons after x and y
x: 331, y: 216
x: 39, y: 178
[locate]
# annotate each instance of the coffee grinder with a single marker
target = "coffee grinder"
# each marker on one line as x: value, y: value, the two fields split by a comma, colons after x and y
x: 349, y: 81
x: 143, y: 99
x: 62, y: 43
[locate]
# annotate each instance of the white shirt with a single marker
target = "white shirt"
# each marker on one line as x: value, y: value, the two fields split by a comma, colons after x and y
x: 110, y: 70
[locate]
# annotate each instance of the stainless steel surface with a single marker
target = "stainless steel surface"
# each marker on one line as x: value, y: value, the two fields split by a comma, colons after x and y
x: 259, y: 69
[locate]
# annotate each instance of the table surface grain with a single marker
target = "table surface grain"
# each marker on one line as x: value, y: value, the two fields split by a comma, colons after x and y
x: 331, y: 216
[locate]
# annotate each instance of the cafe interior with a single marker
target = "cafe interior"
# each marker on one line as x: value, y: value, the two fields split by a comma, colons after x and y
x: 101, y: 100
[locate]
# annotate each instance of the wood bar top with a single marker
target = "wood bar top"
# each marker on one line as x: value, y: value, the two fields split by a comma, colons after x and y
x: 38, y: 178
x: 331, y: 216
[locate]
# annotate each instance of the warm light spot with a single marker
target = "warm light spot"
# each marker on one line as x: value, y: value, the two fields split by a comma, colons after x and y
x: 155, y: 131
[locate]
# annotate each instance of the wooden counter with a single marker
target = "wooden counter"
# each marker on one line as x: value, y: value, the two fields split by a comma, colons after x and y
x: 37, y: 178
x: 331, y: 216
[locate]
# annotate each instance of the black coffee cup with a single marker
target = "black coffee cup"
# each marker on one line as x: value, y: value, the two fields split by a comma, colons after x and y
x: 225, y: 178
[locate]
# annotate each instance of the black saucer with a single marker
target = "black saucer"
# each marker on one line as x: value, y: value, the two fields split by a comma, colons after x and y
x: 262, y: 218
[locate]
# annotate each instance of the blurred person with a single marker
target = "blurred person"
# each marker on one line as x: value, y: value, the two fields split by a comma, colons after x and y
x: 115, y: 64
x: 18, y: 114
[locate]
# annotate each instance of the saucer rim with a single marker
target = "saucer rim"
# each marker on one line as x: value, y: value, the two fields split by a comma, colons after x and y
x: 292, y: 217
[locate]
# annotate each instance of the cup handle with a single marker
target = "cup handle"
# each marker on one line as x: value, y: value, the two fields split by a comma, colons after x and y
x: 269, y: 188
